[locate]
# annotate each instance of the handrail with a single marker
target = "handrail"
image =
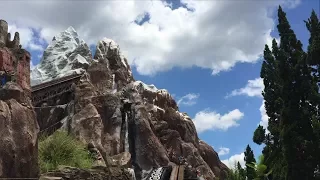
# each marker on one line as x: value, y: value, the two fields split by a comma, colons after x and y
x: 55, y: 81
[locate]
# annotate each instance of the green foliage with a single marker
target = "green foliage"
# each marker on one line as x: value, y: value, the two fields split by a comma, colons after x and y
x: 292, y: 103
x: 242, y: 172
x: 260, y: 168
x: 259, y: 135
x: 313, y: 26
x: 62, y: 149
x: 237, y: 173
x: 249, y: 158
x: 313, y: 58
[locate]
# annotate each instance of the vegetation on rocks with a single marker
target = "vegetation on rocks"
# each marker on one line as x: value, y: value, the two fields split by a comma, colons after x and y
x: 62, y: 149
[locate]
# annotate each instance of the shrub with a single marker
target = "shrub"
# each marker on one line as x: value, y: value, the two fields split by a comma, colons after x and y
x: 62, y: 149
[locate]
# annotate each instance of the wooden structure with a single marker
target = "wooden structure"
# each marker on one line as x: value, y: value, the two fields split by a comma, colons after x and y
x: 51, y: 89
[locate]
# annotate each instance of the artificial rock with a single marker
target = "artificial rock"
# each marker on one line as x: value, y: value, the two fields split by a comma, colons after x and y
x: 118, y: 115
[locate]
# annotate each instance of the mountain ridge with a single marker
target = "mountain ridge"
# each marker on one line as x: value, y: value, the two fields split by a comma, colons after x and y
x: 162, y: 135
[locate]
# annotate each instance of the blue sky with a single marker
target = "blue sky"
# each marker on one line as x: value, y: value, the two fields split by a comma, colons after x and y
x: 213, y: 89
x: 172, y: 57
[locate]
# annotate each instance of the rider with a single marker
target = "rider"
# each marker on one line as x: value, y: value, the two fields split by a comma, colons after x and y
x: 3, y: 80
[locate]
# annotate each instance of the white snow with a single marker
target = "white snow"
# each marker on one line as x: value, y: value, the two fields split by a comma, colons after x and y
x: 114, y: 85
x: 142, y: 86
x: 63, y: 56
x: 122, y: 59
x: 131, y: 171
x: 126, y: 135
x: 184, y: 116
x: 158, y: 108
x: 81, y: 59
x: 112, y: 45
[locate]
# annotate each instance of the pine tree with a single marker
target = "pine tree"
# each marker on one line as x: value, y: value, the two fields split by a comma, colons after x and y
x: 290, y: 102
x: 242, y: 172
x: 259, y: 135
x: 249, y: 158
x: 313, y: 26
x: 273, y: 104
x: 296, y: 115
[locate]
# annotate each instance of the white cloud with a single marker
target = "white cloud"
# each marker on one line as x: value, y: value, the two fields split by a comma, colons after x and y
x: 234, y: 160
x: 189, y: 99
x: 209, y: 120
x: 264, y: 117
x: 253, y: 88
x: 35, y: 47
x: 207, y: 37
x: 31, y: 65
x: 223, y: 151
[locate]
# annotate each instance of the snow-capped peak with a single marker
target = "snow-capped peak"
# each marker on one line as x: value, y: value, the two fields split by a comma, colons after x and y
x: 107, y: 48
x: 68, y: 34
x: 111, y: 43
x: 65, y: 55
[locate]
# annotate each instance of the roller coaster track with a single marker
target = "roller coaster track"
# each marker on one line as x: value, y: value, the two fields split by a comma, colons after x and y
x: 56, y: 87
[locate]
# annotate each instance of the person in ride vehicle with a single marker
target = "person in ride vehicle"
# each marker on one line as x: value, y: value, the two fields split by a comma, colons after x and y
x: 3, y: 78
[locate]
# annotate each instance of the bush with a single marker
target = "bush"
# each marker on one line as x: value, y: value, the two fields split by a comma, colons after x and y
x: 62, y: 149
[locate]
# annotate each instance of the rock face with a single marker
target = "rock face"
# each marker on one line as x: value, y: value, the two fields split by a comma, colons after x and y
x: 18, y: 130
x: 70, y: 173
x: 212, y: 159
x: 117, y: 116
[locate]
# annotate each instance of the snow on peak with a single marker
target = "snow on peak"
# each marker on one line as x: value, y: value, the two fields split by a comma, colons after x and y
x: 142, y: 86
x: 111, y: 43
x: 71, y: 30
x: 68, y: 34
x: 108, y: 47
x: 65, y: 55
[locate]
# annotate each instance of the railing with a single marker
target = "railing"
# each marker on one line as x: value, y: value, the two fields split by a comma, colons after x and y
x: 55, y: 81
x: 48, y: 90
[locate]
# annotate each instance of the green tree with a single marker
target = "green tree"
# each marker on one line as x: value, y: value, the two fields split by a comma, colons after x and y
x: 313, y: 27
x: 249, y: 158
x: 236, y: 173
x: 261, y: 169
x: 242, y: 172
x: 273, y: 103
x: 289, y: 95
x: 313, y: 57
x: 259, y: 135
x: 296, y: 114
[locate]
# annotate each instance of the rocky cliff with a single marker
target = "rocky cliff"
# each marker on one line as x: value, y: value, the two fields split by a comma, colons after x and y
x: 115, y: 114
x: 18, y: 132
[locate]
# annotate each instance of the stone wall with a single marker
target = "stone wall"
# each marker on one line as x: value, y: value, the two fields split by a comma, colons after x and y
x: 3, y: 33
x: 5, y: 37
x: 14, y: 61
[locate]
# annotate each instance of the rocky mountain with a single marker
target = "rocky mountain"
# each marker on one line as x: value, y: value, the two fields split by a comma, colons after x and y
x: 18, y: 130
x: 117, y: 116
x: 67, y: 54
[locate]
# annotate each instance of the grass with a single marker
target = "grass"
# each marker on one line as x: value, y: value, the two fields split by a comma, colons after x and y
x: 62, y: 149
